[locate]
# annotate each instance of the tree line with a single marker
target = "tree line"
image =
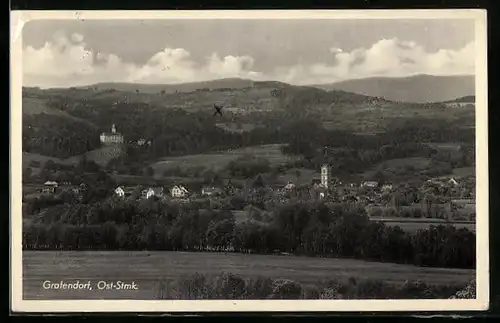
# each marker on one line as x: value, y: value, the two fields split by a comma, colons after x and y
x: 315, y: 229
x: 58, y: 136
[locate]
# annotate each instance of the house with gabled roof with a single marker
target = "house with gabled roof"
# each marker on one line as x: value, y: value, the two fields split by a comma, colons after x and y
x: 179, y: 191
x: 49, y: 187
x: 152, y: 191
x: 119, y: 191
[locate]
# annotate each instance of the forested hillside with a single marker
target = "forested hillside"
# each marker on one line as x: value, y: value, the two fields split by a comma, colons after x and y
x: 305, y: 119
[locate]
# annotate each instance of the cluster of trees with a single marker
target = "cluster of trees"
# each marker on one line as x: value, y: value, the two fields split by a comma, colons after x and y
x: 248, y: 167
x: 60, y: 172
x: 231, y: 286
x: 464, y: 156
x: 58, y: 136
x: 171, y: 131
x: 307, y: 138
x: 314, y: 229
x: 429, y: 130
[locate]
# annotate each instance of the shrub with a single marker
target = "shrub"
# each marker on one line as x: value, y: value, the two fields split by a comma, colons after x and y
x: 286, y: 289
x: 259, y: 288
x: 370, y: 288
x: 330, y: 293
x: 310, y: 292
x: 162, y: 290
x: 413, y: 289
x: 469, y: 292
x: 193, y: 287
x: 230, y: 286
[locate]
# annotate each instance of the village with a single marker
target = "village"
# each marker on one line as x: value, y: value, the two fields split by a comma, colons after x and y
x: 448, y: 198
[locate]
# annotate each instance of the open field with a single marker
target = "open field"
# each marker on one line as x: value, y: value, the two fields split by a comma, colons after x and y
x: 237, y: 128
x: 100, y: 156
x: 30, y: 157
x: 464, y: 171
x: 220, y: 160
x: 147, y: 268
x: 448, y: 146
x: 399, y: 165
x: 305, y: 176
x: 122, y: 179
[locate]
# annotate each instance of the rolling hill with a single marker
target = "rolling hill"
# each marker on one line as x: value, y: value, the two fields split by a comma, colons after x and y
x: 418, y: 88
x: 67, y: 122
x: 463, y: 99
x: 172, y: 88
x: 35, y: 106
x: 236, y: 94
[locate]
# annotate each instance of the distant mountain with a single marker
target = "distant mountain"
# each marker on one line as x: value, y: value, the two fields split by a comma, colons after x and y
x: 418, y: 88
x: 234, y: 83
x: 238, y: 94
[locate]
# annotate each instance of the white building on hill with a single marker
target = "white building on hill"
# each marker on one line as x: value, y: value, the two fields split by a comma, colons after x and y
x: 111, y: 138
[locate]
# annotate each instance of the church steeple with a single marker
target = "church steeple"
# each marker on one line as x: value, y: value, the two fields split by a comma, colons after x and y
x: 113, y: 129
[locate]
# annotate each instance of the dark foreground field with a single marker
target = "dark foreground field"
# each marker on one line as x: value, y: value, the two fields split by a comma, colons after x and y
x: 147, y: 269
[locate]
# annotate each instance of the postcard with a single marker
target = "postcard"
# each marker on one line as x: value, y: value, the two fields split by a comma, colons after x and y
x: 194, y: 161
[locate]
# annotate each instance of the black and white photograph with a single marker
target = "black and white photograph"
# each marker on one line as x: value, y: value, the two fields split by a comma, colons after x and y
x: 215, y: 161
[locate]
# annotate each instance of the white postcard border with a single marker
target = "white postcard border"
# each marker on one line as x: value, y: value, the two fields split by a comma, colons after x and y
x: 19, y: 18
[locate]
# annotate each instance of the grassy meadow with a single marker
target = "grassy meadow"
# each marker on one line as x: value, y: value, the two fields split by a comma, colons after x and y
x: 399, y: 165
x: 101, y: 156
x: 147, y: 269
x: 220, y: 160
x: 30, y: 157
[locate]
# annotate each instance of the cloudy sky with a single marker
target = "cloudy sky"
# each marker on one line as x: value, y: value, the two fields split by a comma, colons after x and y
x: 64, y: 53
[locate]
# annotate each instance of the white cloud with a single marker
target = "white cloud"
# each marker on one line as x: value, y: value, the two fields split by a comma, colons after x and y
x: 69, y: 62
x: 388, y: 57
x: 335, y: 50
x: 77, y: 37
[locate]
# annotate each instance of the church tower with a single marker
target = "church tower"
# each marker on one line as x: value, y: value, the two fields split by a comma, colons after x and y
x: 325, y: 175
x: 113, y: 128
